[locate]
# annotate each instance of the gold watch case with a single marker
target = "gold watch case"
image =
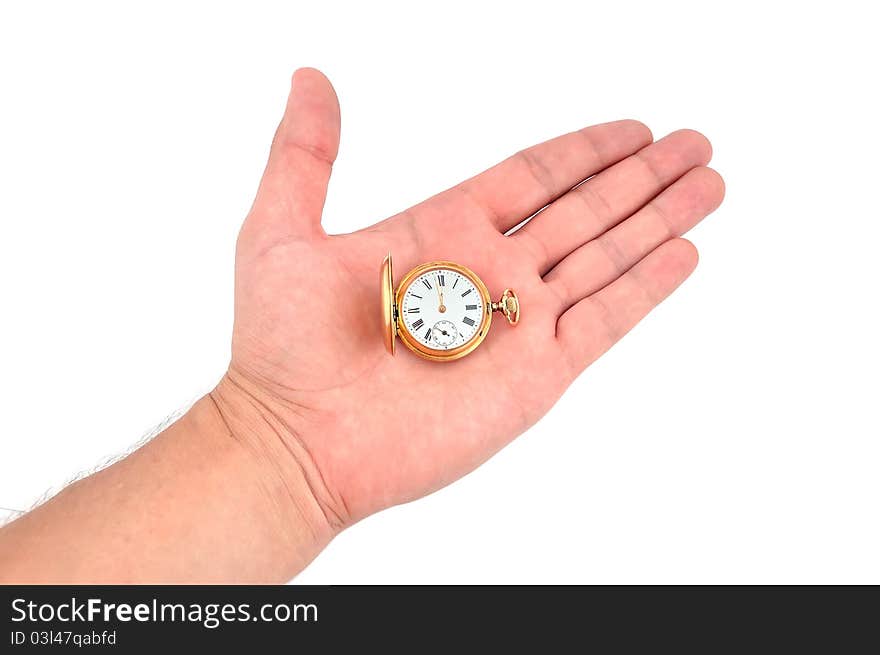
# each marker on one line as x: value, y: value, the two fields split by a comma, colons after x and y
x: 391, y: 302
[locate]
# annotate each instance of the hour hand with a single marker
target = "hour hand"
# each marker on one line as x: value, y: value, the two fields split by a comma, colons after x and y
x: 442, y: 307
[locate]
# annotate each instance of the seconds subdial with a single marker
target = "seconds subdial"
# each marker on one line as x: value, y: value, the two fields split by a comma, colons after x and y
x: 444, y: 333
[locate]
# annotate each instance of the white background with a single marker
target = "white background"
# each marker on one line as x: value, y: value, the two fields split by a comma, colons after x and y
x: 731, y: 438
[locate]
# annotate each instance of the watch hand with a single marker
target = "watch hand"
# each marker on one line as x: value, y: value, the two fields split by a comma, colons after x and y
x: 440, y: 293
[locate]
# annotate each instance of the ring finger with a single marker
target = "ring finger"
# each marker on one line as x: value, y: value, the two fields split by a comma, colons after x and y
x: 601, y: 261
x: 611, y: 196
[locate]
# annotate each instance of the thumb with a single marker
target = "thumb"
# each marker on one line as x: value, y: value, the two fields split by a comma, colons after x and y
x: 294, y: 186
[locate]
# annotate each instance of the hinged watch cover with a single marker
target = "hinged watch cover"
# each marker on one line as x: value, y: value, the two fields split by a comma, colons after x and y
x: 389, y: 320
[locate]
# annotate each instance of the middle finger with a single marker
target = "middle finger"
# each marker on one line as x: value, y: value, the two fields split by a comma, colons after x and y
x: 601, y: 202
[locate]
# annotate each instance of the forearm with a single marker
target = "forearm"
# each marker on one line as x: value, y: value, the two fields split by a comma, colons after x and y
x: 210, y: 499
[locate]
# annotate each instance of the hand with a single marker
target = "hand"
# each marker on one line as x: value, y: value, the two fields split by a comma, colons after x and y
x: 315, y: 426
x: 311, y: 366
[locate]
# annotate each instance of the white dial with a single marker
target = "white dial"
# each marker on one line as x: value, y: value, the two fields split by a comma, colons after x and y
x: 442, y: 309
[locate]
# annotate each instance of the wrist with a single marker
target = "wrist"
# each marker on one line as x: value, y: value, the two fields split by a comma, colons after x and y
x: 307, y: 512
x: 210, y: 499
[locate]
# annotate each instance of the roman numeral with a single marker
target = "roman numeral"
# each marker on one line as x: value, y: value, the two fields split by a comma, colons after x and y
x: 428, y: 335
x: 415, y: 295
x: 441, y: 280
x: 418, y: 324
x: 467, y: 307
x: 427, y: 284
x: 466, y: 293
x: 467, y: 320
x: 456, y: 282
x: 414, y: 310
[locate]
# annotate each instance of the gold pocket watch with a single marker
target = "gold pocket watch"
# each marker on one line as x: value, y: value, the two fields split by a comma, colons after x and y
x: 441, y: 310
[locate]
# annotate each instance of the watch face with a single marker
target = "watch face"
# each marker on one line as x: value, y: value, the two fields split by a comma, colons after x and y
x: 442, y: 309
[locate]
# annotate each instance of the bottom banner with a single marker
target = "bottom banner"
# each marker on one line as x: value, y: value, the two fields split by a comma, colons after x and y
x: 413, y: 619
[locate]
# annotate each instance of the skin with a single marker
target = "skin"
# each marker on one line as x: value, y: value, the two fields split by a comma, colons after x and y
x: 315, y: 426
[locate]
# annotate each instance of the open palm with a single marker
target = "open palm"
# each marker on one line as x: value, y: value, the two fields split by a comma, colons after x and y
x: 371, y: 430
